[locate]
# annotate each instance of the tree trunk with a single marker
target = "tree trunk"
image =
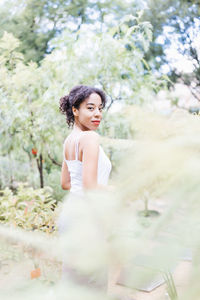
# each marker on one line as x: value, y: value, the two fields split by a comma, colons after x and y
x: 40, y: 169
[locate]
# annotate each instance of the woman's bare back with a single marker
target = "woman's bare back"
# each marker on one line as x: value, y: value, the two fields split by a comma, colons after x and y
x: 70, y: 147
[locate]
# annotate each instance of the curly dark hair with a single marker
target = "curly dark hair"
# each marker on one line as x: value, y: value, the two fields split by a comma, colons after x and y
x: 76, y: 96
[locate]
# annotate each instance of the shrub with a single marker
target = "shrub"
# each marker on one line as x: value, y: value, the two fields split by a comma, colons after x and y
x: 28, y: 208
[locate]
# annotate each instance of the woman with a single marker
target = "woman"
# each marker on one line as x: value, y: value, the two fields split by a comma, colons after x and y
x: 85, y: 165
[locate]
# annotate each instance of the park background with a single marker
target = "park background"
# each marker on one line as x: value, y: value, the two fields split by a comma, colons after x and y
x: 145, y: 55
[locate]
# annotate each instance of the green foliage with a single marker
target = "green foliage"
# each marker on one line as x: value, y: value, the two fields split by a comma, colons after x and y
x: 35, y: 22
x: 52, y: 179
x: 120, y: 72
x: 116, y: 126
x: 28, y: 208
x: 26, y: 114
x: 8, y: 53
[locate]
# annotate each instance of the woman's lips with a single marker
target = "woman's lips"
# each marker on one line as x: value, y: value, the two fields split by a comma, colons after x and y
x: 96, y: 122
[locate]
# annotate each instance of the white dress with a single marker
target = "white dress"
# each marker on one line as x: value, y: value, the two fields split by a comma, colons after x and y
x: 76, y: 191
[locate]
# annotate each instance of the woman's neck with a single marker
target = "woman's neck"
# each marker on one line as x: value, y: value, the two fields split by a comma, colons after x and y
x: 77, y: 128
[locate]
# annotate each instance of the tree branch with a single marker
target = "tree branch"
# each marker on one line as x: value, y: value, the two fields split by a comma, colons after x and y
x: 194, y: 94
x: 54, y: 161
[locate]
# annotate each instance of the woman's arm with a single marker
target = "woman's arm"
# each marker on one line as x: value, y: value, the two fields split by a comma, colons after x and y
x: 90, y: 147
x: 65, y: 177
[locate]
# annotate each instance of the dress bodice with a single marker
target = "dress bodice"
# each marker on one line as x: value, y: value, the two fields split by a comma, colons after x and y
x: 75, y: 168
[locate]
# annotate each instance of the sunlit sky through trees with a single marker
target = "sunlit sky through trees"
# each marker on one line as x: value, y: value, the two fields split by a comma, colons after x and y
x: 175, y: 60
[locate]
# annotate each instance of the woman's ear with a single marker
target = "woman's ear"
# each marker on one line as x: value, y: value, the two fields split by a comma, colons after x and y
x: 75, y: 111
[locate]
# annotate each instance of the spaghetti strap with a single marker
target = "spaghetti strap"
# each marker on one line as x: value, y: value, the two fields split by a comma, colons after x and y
x: 76, y: 149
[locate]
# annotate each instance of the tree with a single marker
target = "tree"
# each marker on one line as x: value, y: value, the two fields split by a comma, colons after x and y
x: 113, y: 60
x: 177, y: 22
x: 35, y: 22
x: 27, y: 116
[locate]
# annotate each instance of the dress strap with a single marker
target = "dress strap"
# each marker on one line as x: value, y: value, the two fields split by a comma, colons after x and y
x: 76, y: 149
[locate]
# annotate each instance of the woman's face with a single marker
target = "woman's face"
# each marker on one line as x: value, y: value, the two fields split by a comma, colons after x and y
x: 89, y: 114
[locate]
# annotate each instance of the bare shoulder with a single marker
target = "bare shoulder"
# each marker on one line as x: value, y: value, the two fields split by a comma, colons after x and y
x: 68, y: 137
x: 89, y: 137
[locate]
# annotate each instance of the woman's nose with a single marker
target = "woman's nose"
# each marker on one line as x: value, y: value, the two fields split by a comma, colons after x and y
x: 97, y: 112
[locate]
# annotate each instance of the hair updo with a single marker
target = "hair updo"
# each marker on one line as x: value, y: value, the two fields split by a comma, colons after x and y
x: 76, y: 96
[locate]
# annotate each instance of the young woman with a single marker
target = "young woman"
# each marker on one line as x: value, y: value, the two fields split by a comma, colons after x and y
x: 85, y: 164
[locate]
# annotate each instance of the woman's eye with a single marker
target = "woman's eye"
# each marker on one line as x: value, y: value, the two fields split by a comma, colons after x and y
x: 92, y: 108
